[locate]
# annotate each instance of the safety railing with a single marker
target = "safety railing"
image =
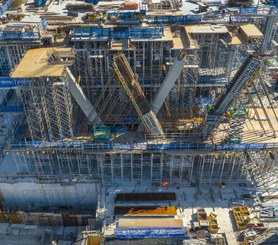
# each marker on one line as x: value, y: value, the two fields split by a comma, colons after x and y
x: 145, y: 146
x: 134, y: 33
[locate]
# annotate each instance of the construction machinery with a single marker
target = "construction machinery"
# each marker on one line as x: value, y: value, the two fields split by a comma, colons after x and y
x: 94, y: 17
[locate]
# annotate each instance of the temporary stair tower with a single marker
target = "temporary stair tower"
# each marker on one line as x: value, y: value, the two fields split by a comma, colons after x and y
x: 136, y: 95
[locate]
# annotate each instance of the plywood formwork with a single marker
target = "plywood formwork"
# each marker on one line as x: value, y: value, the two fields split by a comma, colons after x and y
x: 36, y: 63
x: 250, y: 33
x: 11, y: 55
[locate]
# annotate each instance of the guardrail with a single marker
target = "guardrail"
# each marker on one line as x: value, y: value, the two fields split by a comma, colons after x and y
x: 134, y: 33
x: 19, y: 36
x: 145, y: 146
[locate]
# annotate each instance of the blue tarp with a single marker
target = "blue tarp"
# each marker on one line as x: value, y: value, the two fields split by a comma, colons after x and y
x: 18, y: 35
x: 5, y: 6
x: 150, y: 147
x: 249, y: 10
x: 150, y: 232
x: 39, y: 3
x: 44, y: 23
x: 11, y: 108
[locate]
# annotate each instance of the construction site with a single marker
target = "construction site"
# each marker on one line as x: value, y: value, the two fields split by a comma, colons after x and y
x: 143, y: 122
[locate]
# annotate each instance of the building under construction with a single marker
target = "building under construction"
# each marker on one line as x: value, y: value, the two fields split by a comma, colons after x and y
x: 115, y: 112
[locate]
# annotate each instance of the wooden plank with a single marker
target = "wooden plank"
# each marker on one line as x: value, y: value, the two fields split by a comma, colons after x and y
x: 140, y: 223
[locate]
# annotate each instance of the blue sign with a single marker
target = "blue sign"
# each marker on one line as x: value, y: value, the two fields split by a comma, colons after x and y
x: 44, y: 23
x: 8, y: 82
x: 150, y: 232
x: 95, y: 2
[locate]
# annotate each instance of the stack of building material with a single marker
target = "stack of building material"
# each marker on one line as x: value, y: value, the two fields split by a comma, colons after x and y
x: 150, y: 228
x: 207, y: 221
x: 135, y: 220
x: 249, y: 33
x: 240, y: 214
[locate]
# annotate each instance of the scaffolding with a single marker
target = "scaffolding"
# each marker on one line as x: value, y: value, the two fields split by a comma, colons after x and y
x: 45, y: 93
x: 94, y: 59
x: 181, y: 91
x: 211, y: 168
x: 12, y: 53
x: 48, y: 109
x: 214, y: 54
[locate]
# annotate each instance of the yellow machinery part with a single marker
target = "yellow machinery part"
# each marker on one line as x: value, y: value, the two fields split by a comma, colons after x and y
x: 93, y: 240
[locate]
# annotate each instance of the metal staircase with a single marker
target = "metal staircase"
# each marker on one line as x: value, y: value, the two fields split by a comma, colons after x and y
x: 238, y: 116
x: 236, y: 129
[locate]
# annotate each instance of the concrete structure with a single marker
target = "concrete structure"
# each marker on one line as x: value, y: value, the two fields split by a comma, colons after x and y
x: 77, y: 86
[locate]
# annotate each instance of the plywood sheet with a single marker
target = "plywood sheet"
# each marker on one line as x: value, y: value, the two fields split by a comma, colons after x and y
x: 251, y: 30
x: 140, y: 223
x: 35, y: 64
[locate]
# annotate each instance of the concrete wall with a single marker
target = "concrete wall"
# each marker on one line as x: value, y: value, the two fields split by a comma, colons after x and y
x: 35, y: 196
